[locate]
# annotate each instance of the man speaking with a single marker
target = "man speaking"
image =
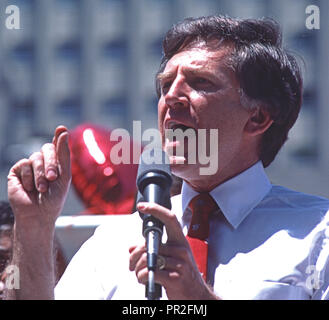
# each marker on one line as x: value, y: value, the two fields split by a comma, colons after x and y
x: 230, y: 234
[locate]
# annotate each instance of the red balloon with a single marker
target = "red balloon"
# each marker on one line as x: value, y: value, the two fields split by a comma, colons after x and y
x: 103, y: 187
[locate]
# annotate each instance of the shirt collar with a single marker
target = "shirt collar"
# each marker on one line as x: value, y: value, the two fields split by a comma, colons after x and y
x: 238, y: 196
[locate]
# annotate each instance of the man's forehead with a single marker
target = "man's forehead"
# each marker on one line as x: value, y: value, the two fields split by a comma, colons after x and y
x: 199, y: 58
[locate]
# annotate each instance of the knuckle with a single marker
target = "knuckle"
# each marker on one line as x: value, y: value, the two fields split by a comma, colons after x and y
x: 24, y: 163
x: 48, y: 146
x: 175, y: 277
x: 180, y: 266
x: 49, y: 152
x: 18, y: 167
x: 140, y: 276
x: 152, y: 206
x: 171, y: 216
x: 36, y: 156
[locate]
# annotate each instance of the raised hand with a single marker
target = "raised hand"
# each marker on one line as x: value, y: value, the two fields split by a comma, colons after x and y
x: 37, y: 187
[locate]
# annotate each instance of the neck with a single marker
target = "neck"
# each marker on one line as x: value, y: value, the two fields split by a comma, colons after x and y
x: 207, y: 183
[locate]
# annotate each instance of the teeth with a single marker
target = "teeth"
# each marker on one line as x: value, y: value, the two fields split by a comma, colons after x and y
x: 183, y: 127
x: 179, y: 126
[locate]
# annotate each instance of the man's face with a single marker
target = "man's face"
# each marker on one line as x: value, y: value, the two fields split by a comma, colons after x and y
x: 199, y: 91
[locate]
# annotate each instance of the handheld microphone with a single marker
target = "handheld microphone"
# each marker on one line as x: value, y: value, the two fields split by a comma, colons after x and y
x: 153, y: 181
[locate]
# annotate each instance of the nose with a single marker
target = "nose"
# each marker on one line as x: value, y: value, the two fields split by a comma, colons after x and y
x: 177, y: 95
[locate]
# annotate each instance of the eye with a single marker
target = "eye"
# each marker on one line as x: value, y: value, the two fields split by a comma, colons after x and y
x: 200, y: 83
x: 165, y: 86
x: 200, y: 80
x: 203, y: 84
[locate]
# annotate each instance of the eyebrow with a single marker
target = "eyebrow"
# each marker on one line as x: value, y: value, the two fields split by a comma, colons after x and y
x: 164, y: 75
x: 205, y: 72
x: 196, y: 72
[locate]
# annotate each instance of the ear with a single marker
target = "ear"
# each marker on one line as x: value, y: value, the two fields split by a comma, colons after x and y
x: 259, y: 121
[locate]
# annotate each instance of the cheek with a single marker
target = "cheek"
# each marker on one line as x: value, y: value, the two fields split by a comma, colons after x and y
x: 223, y: 111
x: 230, y: 138
x: 229, y: 119
x: 161, y: 115
x: 161, y: 111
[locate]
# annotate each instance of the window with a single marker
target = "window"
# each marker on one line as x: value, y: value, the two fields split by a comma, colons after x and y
x: 69, y: 52
x: 116, y: 49
x: 116, y: 106
x: 69, y: 109
x: 23, y: 53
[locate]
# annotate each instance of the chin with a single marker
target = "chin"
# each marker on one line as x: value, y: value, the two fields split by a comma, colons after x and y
x: 184, y: 170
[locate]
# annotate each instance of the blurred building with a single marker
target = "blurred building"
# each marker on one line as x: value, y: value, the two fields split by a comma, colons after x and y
x: 94, y: 60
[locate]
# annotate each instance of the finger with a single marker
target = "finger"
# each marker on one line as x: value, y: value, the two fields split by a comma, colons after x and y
x: 141, y: 263
x: 167, y: 277
x: 63, y: 155
x: 163, y: 277
x: 142, y: 275
x: 135, y: 255
x: 21, y: 174
x: 50, y: 161
x: 40, y: 180
x: 170, y: 263
x: 173, y: 264
x: 169, y: 219
x: 132, y: 248
x: 180, y: 253
x: 27, y: 177
x: 58, y: 131
x: 173, y: 269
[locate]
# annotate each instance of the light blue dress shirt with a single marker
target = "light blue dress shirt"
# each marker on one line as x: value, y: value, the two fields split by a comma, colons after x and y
x: 269, y: 242
x: 272, y: 243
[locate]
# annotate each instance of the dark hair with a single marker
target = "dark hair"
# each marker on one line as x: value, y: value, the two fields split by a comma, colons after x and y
x: 269, y: 76
x: 6, y: 226
x: 6, y: 213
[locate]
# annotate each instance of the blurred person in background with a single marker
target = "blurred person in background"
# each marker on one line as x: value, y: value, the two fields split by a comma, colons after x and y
x: 261, y: 241
x: 6, y: 228
x: 7, y: 220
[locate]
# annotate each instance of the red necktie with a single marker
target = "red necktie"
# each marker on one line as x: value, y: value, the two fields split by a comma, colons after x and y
x: 201, y: 206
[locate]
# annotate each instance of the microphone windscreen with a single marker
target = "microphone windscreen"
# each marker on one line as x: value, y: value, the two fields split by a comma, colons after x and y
x: 153, y: 160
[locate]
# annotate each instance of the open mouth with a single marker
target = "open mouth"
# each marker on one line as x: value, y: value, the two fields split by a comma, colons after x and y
x: 180, y: 127
x: 180, y: 140
x: 173, y: 125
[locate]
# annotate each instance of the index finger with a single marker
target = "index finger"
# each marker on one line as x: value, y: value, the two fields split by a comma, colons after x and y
x: 169, y: 219
x: 63, y: 155
x: 60, y: 142
x: 58, y: 131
